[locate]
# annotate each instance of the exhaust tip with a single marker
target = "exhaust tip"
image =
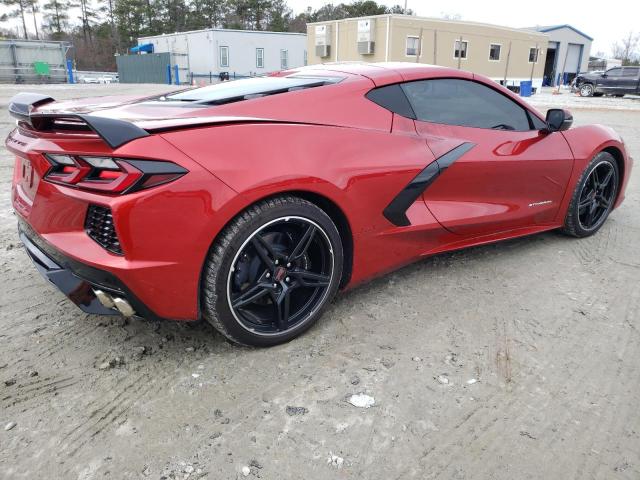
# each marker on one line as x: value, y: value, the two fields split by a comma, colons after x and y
x: 124, y: 307
x: 104, y: 298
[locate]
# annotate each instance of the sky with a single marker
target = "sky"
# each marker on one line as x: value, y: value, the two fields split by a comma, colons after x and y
x: 606, y: 22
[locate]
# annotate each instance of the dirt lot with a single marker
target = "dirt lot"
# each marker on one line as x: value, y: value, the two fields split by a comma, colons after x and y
x: 548, y: 325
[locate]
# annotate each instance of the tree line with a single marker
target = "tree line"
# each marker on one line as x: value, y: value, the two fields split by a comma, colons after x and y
x: 99, y: 29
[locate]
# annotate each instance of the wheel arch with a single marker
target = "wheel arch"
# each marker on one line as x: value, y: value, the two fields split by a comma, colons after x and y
x: 617, y: 154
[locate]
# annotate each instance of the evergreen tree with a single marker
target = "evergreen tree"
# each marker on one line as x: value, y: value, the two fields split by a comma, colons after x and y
x: 19, y: 10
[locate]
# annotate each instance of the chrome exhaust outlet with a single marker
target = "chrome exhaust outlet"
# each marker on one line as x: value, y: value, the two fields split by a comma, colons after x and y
x: 124, y: 307
x: 104, y: 298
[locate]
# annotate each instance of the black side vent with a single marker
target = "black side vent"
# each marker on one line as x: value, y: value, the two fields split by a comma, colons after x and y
x: 99, y: 226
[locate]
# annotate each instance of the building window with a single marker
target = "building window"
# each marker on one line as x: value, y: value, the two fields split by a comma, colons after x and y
x: 460, y: 49
x: 305, y: 58
x: 413, y: 45
x: 259, y: 57
x: 533, y: 55
x: 224, y: 57
x: 494, y: 52
x: 284, y: 59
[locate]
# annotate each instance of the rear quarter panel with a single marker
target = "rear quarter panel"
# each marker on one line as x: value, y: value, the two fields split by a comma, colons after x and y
x: 358, y: 170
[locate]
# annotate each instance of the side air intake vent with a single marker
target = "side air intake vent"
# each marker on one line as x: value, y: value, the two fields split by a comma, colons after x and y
x: 99, y: 226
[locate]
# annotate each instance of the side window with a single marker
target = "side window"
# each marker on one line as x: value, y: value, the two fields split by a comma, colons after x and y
x: 630, y: 71
x: 412, y: 46
x: 460, y: 49
x: 465, y: 103
x: 614, y: 72
x: 259, y: 57
x: 494, y: 52
x: 224, y: 56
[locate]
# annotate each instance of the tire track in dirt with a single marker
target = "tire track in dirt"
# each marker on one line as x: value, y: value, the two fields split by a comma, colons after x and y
x: 565, y: 425
x: 616, y: 389
x: 33, y: 391
x: 459, y: 442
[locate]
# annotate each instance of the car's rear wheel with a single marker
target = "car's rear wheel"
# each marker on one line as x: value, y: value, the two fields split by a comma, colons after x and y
x: 593, y: 197
x: 586, y: 90
x: 272, y: 271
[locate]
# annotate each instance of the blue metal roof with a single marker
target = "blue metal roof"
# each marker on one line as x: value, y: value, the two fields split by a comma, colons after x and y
x: 145, y: 47
x: 558, y: 27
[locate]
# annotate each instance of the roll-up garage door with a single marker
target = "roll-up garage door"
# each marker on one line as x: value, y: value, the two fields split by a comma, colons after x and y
x: 573, y: 58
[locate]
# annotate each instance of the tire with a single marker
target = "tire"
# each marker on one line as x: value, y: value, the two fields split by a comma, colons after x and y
x: 586, y: 90
x: 287, y: 261
x: 587, y: 194
x: 619, y: 95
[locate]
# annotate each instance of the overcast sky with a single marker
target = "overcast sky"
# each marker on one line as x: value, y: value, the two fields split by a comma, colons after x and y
x: 606, y: 22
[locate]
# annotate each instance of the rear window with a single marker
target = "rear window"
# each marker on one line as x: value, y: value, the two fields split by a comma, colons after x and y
x: 245, y: 89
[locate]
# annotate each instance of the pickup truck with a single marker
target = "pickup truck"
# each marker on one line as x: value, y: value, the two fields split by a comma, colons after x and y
x: 617, y: 81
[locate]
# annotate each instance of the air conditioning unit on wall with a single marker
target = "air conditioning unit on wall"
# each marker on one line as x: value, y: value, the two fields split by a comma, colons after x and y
x: 366, y: 36
x: 323, y: 40
x: 366, y: 48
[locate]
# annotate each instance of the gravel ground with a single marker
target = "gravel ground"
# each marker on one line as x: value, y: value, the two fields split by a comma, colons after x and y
x: 517, y: 360
x: 566, y: 99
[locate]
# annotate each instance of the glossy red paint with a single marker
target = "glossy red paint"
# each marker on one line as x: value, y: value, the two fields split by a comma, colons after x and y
x: 328, y: 143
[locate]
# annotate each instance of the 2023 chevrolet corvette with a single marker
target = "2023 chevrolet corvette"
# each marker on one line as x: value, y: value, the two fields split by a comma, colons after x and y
x: 250, y: 203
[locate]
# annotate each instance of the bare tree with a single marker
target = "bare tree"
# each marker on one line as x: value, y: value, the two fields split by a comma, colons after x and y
x: 627, y: 48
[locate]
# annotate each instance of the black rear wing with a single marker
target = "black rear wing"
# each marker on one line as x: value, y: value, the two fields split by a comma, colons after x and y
x: 113, y: 131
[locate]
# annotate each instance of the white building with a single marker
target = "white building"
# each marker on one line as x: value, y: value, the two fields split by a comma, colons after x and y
x: 238, y: 52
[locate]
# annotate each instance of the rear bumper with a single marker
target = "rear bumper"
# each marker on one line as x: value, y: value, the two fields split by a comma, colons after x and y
x: 78, y: 280
x: 165, y: 232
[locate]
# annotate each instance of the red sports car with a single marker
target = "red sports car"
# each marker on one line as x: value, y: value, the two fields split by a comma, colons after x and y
x: 250, y: 203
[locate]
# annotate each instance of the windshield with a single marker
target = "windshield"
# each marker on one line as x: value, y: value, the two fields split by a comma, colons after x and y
x: 245, y: 89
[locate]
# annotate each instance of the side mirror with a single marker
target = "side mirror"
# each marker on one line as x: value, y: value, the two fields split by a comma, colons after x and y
x: 558, y: 120
x: 604, y: 75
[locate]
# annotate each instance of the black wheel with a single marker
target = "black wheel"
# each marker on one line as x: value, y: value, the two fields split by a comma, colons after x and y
x: 586, y: 90
x: 593, y: 197
x: 619, y: 95
x: 272, y: 271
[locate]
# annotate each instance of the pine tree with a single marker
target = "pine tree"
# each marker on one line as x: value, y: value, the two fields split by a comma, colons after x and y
x: 19, y: 10
x: 56, y: 15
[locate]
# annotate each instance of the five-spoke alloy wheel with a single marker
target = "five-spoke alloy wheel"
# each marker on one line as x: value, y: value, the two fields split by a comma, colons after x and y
x: 272, y: 272
x: 280, y: 275
x: 594, y: 196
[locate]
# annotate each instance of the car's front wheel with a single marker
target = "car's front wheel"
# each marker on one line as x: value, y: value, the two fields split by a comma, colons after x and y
x: 593, y: 197
x: 272, y: 271
x: 586, y: 90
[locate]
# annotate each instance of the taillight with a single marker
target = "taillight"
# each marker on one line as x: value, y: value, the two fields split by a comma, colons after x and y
x: 110, y: 175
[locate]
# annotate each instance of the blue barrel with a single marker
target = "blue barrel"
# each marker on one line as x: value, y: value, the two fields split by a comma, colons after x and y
x: 525, y: 88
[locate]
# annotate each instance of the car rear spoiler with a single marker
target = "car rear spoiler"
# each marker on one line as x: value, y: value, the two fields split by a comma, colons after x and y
x: 113, y: 131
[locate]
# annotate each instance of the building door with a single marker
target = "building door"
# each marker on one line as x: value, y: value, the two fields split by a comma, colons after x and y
x: 572, y: 62
x: 550, y: 65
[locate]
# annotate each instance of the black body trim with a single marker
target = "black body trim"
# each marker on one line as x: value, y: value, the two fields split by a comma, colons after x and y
x: 20, y: 105
x: 115, y: 132
x: 76, y: 279
x: 393, y: 98
x: 396, y: 211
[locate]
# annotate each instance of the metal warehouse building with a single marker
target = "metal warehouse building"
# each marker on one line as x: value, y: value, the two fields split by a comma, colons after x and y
x: 567, y: 53
x: 209, y: 52
x: 507, y: 55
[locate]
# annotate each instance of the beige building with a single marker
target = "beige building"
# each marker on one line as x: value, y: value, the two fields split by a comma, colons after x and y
x: 507, y: 55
